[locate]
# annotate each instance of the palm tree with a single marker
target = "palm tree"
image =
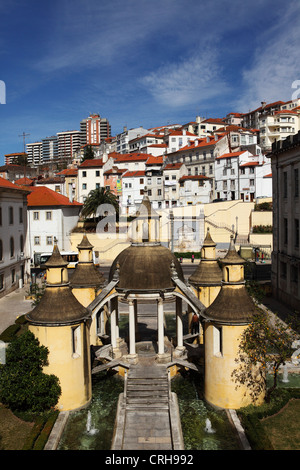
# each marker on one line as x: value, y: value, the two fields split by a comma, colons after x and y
x: 96, y: 198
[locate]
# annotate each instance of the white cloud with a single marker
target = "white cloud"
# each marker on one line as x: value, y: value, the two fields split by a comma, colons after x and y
x: 195, y: 79
x: 276, y: 64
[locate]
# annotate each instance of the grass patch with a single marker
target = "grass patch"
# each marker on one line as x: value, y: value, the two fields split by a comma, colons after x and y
x: 283, y: 428
x: 13, y: 431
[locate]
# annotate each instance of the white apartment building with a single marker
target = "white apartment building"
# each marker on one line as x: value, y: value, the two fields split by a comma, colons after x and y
x: 241, y: 175
x: 172, y: 173
x: 90, y: 176
x: 130, y: 161
x: 278, y: 125
x: 133, y: 189
x: 56, y: 183
x: 14, y: 255
x: 145, y: 142
x: 34, y: 152
x: 204, y: 127
x: 177, y: 139
x: 195, y: 189
x: 68, y: 143
x: 50, y: 216
x: 123, y: 139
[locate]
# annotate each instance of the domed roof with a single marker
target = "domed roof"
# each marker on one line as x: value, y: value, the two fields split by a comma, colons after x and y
x: 146, y: 267
x: 86, y: 274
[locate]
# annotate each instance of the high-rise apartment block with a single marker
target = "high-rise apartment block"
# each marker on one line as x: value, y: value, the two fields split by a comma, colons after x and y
x: 34, y: 153
x: 50, y: 148
x: 68, y: 142
x: 94, y: 129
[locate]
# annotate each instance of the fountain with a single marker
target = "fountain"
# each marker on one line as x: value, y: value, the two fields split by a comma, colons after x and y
x: 89, y: 428
x: 285, y: 374
x: 208, y: 426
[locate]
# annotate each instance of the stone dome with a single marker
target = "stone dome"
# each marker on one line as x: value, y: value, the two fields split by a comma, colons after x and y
x: 146, y: 267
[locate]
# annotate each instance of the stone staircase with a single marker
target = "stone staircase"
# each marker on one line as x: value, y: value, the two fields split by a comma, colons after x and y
x: 145, y: 393
x: 148, y: 415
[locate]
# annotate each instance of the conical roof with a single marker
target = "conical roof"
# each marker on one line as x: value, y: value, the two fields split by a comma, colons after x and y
x: 232, y: 257
x: 58, y: 306
x: 86, y: 274
x: 208, y: 272
x: 56, y: 260
x: 232, y: 306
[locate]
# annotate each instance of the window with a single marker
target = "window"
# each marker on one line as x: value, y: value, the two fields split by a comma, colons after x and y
x: 285, y: 184
x: 296, y: 182
x: 36, y: 216
x: 158, y: 180
x: 173, y: 177
x: 57, y: 189
x: 159, y: 192
x: 48, y: 215
x: 0, y: 215
x: 242, y: 170
x: 1, y: 250
x: 13, y: 276
x: 11, y: 247
x: 21, y: 243
x: 296, y: 232
x: 149, y: 192
x: 285, y: 231
x: 10, y: 215
x: 1, y: 281
x: 49, y: 240
x: 84, y: 174
x: 83, y: 185
x: 217, y: 341
x: 283, y: 270
x: 251, y: 182
x: 97, y: 185
x: 97, y: 172
x: 20, y: 215
x: 294, y: 274
x: 76, y: 341
x: 141, y: 180
x: 36, y: 240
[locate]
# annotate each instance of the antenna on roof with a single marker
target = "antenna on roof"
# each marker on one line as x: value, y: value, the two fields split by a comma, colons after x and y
x: 24, y: 136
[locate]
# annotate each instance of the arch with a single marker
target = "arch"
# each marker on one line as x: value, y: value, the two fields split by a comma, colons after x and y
x: 101, y: 304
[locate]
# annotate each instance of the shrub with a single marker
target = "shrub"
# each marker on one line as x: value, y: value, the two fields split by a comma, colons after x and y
x: 23, y: 385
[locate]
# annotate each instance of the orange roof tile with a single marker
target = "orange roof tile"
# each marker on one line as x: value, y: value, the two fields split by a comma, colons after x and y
x: 43, y: 196
x: 6, y: 184
x: 94, y: 162
x: 155, y: 160
x: 230, y: 155
x: 132, y: 174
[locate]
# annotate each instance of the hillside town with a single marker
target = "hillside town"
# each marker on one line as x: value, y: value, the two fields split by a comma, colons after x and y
x: 209, y: 173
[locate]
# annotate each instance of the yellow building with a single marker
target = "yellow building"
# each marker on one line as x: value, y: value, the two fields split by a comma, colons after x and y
x: 207, y: 278
x: 86, y: 283
x: 62, y: 324
x: 226, y: 319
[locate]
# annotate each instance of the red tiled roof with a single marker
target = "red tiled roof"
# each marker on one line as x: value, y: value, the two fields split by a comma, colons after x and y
x: 250, y: 164
x: 173, y: 166
x: 194, y: 177
x: 43, y: 196
x: 230, y: 155
x: 132, y: 174
x: 68, y: 172
x: 155, y: 160
x: 129, y: 157
x: 24, y: 181
x: 268, y: 176
x: 94, y: 162
x: 6, y: 184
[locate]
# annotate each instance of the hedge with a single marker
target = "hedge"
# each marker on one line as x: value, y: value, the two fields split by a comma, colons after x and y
x: 40, y: 432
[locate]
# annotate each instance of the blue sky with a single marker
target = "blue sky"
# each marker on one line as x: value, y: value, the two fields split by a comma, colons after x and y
x: 140, y: 62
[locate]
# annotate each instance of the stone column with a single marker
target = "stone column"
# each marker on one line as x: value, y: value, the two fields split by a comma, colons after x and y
x: 160, y: 326
x: 132, y: 352
x: 114, y: 327
x: 180, y: 349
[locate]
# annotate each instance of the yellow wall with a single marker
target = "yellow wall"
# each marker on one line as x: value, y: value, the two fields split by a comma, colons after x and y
x: 73, y: 370
x: 220, y: 387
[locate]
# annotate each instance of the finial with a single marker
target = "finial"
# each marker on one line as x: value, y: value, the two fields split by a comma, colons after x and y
x: 173, y: 270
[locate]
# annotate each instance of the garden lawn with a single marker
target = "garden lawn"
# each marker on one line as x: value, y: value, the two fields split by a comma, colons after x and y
x: 13, y: 431
x: 283, y: 428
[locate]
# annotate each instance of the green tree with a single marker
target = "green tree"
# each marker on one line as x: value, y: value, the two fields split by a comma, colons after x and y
x: 96, y: 198
x: 266, y: 344
x: 88, y: 153
x: 23, y: 385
